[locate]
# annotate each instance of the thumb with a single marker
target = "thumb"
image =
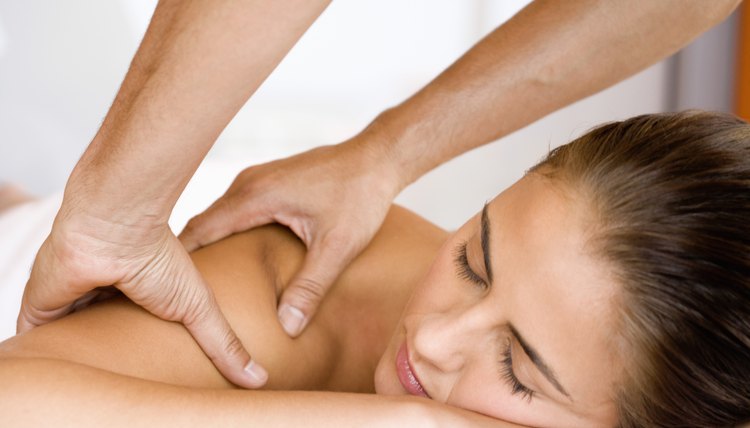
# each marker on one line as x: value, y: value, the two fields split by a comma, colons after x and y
x: 171, y: 287
x: 220, y: 343
x: 190, y: 301
x: 218, y: 221
x: 306, y: 290
x: 207, y: 227
x: 49, y: 293
x: 31, y: 315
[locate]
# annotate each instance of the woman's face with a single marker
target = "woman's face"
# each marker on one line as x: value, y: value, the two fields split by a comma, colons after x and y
x: 513, y: 320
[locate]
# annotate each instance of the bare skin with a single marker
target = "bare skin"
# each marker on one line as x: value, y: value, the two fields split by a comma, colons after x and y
x: 534, y: 280
x: 120, y: 359
x: 200, y: 61
x: 406, y: 287
x: 549, y: 55
x: 247, y: 272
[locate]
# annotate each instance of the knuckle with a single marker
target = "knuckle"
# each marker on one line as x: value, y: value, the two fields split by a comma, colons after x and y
x: 231, y: 345
x: 24, y: 321
x: 340, y: 245
x: 250, y: 188
x: 339, y: 239
x: 226, y: 206
x: 190, y: 229
x: 190, y: 307
x: 308, y: 291
x: 247, y: 173
x: 248, y: 181
x: 194, y: 223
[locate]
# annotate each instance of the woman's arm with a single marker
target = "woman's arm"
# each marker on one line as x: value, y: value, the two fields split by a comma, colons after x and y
x: 247, y: 272
x: 46, y: 392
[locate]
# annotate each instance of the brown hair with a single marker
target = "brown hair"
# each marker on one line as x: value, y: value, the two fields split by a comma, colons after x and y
x: 671, y: 194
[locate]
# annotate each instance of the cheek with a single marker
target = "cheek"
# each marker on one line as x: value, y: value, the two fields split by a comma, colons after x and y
x: 438, y: 289
x: 483, y: 390
x: 428, y: 296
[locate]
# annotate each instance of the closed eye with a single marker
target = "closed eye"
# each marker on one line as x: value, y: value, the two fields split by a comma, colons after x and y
x: 507, y: 374
x: 463, y: 269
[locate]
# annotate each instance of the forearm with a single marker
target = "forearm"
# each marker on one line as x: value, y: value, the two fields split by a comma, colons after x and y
x: 49, y: 392
x: 198, y: 63
x: 549, y: 55
x: 39, y: 392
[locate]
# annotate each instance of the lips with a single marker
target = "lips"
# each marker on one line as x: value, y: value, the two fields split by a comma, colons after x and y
x: 406, y: 375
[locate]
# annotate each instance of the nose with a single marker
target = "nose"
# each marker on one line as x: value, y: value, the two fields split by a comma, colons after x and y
x: 447, y: 340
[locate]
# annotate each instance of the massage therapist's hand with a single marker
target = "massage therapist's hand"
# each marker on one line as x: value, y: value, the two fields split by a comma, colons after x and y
x: 149, y: 265
x: 334, y: 198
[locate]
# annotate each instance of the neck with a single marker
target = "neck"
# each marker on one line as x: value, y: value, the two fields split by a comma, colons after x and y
x: 362, y: 311
x: 361, y: 319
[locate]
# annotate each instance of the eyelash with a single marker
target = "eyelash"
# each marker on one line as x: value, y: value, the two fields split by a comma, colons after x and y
x: 506, y: 363
x: 463, y: 268
x: 506, y: 372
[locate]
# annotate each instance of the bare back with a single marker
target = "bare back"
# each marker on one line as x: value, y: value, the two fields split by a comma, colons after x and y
x: 247, y: 272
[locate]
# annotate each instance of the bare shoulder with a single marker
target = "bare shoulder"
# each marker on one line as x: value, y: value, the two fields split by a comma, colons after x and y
x: 403, y: 237
x: 405, y: 246
x: 401, y: 223
x: 247, y: 272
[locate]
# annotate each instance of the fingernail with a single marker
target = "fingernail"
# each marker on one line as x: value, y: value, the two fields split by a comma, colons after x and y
x: 257, y: 373
x: 292, y: 319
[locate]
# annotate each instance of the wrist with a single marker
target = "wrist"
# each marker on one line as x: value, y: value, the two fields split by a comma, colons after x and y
x: 390, y: 152
x: 91, y: 199
x: 372, y: 151
x: 112, y: 189
x: 410, y: 141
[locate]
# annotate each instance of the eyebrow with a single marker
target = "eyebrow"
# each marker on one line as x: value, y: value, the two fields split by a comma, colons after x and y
x: 485, y: 238
x: 538, y: 361
x: 533, y: 355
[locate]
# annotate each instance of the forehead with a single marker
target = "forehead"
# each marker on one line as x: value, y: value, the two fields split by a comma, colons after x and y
x: 555, y: 290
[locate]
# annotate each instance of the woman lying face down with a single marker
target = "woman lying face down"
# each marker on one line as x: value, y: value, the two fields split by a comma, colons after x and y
x: 515, y: 317
x: 608, y: 287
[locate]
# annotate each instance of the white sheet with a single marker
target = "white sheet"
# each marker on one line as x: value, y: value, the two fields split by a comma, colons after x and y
x: 23, y: 229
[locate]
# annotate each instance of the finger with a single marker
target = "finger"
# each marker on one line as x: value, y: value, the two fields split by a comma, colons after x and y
x: 106, y: 293
x: 209, y: 226
x: 84, y: 301
x: 219, y: 342
x: 218, y: 221
x: 321, y: 267
x: 49, y: 292
x: 31, y: 316
x: 94, y: 296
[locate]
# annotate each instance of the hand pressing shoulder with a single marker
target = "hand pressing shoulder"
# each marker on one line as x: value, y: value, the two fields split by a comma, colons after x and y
x: 247, y: 272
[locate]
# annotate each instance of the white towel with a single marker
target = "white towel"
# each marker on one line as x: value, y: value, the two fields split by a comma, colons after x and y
x: 23, y: 228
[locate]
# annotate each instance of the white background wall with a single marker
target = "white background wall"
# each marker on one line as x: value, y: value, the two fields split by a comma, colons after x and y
x: 61, y: 64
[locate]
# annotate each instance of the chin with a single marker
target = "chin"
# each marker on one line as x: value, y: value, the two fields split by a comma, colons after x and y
x: 386, y: 382
x: 381, y: 377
